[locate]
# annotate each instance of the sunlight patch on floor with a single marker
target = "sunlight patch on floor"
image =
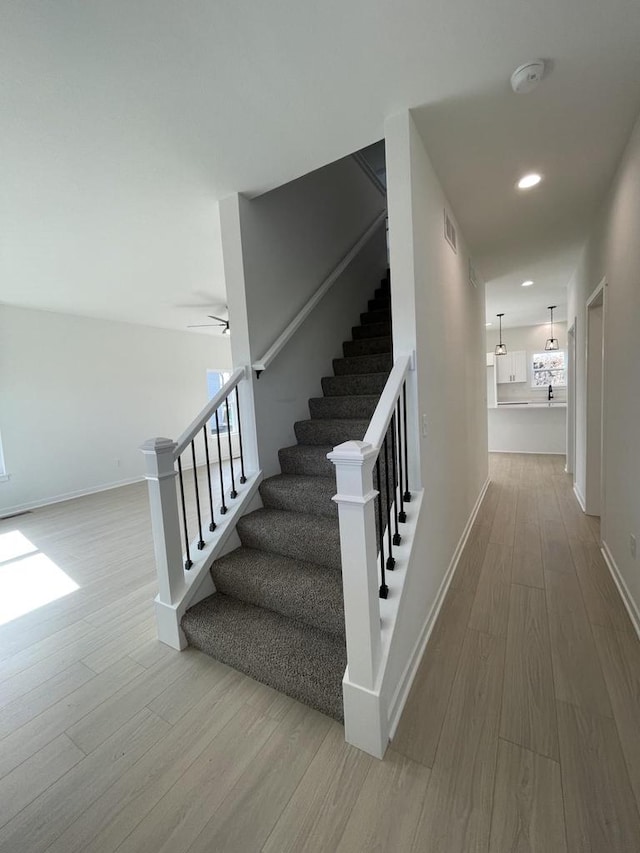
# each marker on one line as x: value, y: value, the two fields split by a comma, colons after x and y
x: 28, y: 578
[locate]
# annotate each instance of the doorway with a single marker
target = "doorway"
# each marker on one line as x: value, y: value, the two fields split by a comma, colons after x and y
x: 570, y: 467
x: 594, y: 480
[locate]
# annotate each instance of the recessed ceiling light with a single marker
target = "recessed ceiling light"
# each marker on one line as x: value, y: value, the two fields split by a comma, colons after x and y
x: 528, y: 181
x: 488, y: 324
x: 527, y: 283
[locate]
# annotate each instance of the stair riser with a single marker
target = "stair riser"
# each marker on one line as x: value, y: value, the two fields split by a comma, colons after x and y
x: 380, y: 304
x: 371, y: 317
x: 340, y: 386
x: 329, y: 432
x: 372, y: 330
x: 343, y: 407
x: 293, y: 539
x: 304, y: 591
x: 366, y: 346
x: 377, y: 363
x: 296, y: 659
x: 313, y: 502
x: 300, y: 460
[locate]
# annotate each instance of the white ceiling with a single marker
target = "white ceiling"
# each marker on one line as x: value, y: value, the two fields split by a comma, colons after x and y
x: 123, y: 123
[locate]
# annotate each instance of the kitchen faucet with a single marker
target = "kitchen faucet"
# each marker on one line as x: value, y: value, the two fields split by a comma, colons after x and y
x: 550, y: 393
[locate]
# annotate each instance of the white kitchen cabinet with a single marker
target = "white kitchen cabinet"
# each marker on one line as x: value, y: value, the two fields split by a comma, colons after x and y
x: 512, y: 367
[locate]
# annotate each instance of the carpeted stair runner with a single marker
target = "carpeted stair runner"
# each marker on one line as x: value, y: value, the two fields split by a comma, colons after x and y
x: 277, y: 614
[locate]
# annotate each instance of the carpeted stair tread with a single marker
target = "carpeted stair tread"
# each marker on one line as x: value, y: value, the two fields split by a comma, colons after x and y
x: 374, y: 363
x: 362, y: 383
x: 367, y: 346
x: 362, y: 406
x: 307, y: 459
x: 293, y: 657
x: 298, y: 535
x: 333, y: 431
x: 371, y: 330
x: 294, y: 588
x: 278, y: 613
x: 300, y: 493
x: 382, y: 303
x: 369, y: 317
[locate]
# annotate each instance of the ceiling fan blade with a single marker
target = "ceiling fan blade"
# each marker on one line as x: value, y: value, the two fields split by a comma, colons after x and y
x: 206, y: 325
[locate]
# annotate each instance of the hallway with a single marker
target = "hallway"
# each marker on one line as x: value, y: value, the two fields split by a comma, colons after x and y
x: 527, y: 703
x: 522, y: 732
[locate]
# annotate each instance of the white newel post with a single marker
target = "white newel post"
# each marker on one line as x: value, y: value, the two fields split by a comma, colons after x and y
x: 364, y: 717
x: 165, y: 524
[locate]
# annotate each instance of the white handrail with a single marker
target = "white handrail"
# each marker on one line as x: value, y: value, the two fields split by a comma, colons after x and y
x: 262, y: 363
x: 196, y: 425
x: 381, y: 419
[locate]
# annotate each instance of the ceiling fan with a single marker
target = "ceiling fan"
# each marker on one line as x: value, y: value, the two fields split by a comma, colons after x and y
x: 221, y: 322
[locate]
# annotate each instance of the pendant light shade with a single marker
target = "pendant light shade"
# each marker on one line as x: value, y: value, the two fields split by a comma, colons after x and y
x: 501, y: 349
x: 552, y: 343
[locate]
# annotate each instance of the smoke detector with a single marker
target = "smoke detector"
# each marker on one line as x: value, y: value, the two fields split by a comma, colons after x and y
x: 525, y: 78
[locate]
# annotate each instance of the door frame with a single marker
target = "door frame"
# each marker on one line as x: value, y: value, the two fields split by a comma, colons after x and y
x: 597, y: 299
x: 570, y: 466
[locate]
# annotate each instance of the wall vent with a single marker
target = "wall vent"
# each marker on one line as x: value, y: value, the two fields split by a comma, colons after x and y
x: 450, y: 232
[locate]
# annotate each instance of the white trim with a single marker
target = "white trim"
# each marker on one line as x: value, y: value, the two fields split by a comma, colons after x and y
x: 262, y: 363
x: 168, y: 615
x: 406, y: 681
x: 533, y: 452
x: 579, y: 497
x: 79, y: 493
x: 627, y: 599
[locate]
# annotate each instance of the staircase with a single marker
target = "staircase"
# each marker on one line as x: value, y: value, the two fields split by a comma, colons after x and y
x: 277, y: 614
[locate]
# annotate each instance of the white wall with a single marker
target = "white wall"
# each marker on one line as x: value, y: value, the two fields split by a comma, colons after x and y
x: 531, y: 339
x: 613, y: 250
x: 529, y: 429
x: 78, y: 396
x: 291, y: 239
x: 437, y: 312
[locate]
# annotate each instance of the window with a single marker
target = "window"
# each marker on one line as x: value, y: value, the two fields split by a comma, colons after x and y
x: 549, y: 368
x: 215, y: 380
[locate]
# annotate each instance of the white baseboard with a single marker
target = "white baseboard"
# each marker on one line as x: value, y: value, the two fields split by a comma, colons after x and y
x: 406, y: 681
x: 579, y: 497
x: 81, y: 493
x: 632, y: 608
x: 533, y: 452
x: 68, y: 496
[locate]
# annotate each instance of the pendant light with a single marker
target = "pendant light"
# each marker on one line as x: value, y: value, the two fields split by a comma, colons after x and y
x: 501, y: 349
x: 552, y: 343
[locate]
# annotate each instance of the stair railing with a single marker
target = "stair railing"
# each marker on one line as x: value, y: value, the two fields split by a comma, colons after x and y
x: 193, y: 484
x: 262, y: 363
x: 372, y: 479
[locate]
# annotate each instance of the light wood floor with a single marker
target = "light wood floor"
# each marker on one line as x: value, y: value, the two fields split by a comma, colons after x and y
x: 522, y: 731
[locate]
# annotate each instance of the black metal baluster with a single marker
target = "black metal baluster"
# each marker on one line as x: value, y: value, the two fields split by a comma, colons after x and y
x: 187, y: 562
x: 232, y: 493
x: 384, y: 589
x: 396, y: 536
x: 195, y: 483
x: 402, y: 515
x: 243, y: 479
x: 223, y: 508
x: 407, y: 494
x: 212, y: 526
x: 390, y: 560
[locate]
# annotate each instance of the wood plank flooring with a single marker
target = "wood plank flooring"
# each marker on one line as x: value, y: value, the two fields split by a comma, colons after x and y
x: 521, y: 732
